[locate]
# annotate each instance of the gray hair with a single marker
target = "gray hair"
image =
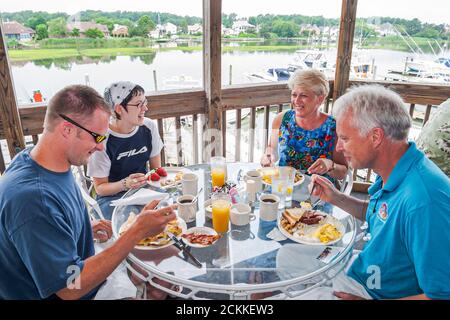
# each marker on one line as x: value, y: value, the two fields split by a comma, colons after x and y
x: 374, y: 106
x: 312, y: 79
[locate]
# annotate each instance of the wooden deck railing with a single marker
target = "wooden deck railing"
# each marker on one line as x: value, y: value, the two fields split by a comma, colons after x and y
x: 190, y: 107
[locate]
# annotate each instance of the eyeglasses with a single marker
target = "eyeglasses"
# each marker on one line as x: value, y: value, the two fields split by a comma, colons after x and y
x: 97, y: 137
x: 141, y: 104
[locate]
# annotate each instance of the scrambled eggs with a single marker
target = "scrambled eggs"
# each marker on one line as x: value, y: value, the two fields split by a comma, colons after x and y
x: 327, y: 233
x: 306, y: 205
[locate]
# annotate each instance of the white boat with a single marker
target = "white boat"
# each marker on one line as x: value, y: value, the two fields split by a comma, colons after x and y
x: 305, y: 59
x: 421, y: 70
x: 271, y: 75
x: 181, y: 82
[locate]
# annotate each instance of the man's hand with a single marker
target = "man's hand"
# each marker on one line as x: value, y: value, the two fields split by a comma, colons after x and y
x: 151, y: 222
x: 101, y: 229
x: 347, y: 296
x: 321, y: 166
x: 323, y: 188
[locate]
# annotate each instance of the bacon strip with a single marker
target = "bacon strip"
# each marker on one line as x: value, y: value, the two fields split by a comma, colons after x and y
x: 202, y: 239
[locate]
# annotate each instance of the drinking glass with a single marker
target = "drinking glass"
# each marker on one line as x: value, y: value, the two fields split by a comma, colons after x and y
x: 279, y: 188
x: 221, y: 203
x: 288, y: 174
x: 218, y: 171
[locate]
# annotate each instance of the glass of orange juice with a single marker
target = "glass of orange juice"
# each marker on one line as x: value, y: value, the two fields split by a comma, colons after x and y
x: 221, y: 203
x: 218, y: 171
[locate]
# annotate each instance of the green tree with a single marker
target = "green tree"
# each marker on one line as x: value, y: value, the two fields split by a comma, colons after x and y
x: 94, y: 33
x: 12, y: 44
x: 34, y: 21
x: 75, y: 32
x: 145, y: 24
x: 228, y: 19
x: 57, y: 27
x: 265, y: 30
x: 41, y: 31
x: 107, y: 22
x: 285, y: 29
x: 184, y: 26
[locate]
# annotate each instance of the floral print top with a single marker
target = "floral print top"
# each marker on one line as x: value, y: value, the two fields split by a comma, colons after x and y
x: 300, y: 148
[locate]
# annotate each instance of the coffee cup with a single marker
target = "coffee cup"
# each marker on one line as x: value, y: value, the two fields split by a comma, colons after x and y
x: 187, y: 207
x: 241, y: 214
x: 256, y: 176
x: 189, y: 184
x: 268, y: 207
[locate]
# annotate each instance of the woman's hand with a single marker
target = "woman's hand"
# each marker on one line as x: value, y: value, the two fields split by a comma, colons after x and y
x: 323, y: 188
x: 321, y: 166
x: 135, y: 180
x: 268, y: 160
x: 101, y: 229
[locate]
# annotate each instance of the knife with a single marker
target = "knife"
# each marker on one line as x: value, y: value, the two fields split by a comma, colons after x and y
x: 182, y: 246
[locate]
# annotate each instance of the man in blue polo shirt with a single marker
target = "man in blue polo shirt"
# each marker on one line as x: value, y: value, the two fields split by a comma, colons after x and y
x: 46, y: 241
x: 408, y: 214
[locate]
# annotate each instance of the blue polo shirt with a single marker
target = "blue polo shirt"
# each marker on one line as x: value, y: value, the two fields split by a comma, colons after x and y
x: 45, y: 231
x: 409, y: 223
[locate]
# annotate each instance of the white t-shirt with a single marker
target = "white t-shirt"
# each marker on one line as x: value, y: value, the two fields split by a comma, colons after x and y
x: 125, y: 154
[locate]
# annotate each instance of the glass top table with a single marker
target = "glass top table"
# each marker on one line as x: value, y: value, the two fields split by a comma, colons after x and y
x: 244, y: 261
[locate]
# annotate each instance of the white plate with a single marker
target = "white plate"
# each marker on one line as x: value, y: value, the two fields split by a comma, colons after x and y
x: 171, y: 173
x: 315, y: 241
x: 183, y: 227
x: 200, y: 230
x: 270, y: 169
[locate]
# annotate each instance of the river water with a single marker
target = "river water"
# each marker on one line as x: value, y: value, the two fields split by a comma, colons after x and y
x: 49, y: 76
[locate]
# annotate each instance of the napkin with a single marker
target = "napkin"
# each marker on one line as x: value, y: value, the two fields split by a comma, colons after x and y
x: 142, y: 197
x: 276, y: 235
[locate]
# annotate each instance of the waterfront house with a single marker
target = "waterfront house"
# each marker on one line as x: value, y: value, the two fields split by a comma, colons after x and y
x: 85, y: 26
x: 15, y: 30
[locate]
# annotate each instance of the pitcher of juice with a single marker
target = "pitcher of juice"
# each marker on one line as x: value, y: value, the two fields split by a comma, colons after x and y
x: 218, y: 171
x: 221, y: 203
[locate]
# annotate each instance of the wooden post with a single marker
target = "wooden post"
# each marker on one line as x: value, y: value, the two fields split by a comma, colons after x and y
x: 212, y: 24
x: 9, y: 112
x: 345, y: 44
x: 161, y: 135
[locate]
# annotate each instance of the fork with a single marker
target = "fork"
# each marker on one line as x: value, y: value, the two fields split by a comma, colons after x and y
x: 310, y: 194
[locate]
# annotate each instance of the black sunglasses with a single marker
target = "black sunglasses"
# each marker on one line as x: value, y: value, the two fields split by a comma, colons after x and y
x: 97, y: 137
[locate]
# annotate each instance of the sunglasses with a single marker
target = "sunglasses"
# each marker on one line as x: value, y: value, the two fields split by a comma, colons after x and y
x: 97, y: 137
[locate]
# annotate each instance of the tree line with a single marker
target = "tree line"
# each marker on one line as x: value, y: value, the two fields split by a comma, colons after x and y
x: 269, y: 25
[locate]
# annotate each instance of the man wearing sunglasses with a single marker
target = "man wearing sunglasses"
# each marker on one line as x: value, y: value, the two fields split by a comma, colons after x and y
x: 46, y: 239
x: 133, y: 140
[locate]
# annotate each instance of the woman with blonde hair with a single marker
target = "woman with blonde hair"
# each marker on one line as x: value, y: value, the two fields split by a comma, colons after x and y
x: 304, y: 137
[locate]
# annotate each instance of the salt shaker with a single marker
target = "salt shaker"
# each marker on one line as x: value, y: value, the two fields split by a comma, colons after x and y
x: 251, y: 192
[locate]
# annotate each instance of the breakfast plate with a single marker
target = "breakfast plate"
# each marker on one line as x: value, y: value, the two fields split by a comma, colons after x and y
x: 200, y: 237
x: 268, y: 172
x: 159, y: 241
x: 173, y: 177
x: 312, y: 228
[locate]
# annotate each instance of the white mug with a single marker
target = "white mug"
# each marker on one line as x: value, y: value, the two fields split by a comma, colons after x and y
x: 189, y: 184
x: 256, y: 176
x: 268, y: 207
x: 187, y: 209
x: 241, y: 214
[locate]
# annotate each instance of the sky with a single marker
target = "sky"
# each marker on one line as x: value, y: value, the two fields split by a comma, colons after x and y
x: 432, y: 11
